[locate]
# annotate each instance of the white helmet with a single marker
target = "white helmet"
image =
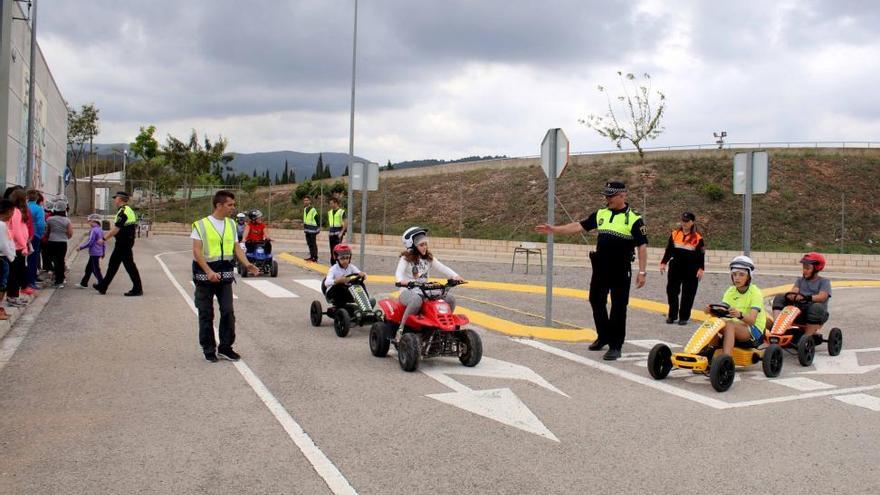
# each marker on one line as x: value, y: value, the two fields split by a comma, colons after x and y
x: 241, y: 215
x: 742, y: 263
x: 410, y: 234
x: 255, y: 214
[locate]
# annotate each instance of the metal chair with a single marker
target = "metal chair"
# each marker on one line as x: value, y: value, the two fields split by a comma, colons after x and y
x: 528, y: 248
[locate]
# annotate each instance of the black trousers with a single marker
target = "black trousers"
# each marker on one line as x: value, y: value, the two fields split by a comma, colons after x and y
x: 611, y: 278
x: 335, y: 239
x: 123, y: 255
x: 16, y: 275
x: 684, y: 281
x: 312, y: 241
x: 92, y: 266
x: 204, y: 299
x: 57, y: 251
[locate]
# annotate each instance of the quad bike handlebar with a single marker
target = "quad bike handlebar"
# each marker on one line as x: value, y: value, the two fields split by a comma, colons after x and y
x: 425, y: 287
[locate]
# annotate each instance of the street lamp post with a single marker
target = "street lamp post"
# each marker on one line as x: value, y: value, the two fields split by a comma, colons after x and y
x: 350, y: 201
x: 719, y: 138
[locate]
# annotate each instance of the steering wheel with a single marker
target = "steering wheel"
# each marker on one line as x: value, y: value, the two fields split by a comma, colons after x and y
x: 721, y: 310
x: 354, y: 277
x: 793, y: 297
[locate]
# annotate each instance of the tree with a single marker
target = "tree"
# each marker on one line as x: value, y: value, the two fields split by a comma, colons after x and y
x: 345, y: 172
x: 285, y: 176
x: 643, y: 118
x: 82, y: 126
x: 149, y: 164
x: 389, y: 166
x: 319, y: 168
x: 193, y: 162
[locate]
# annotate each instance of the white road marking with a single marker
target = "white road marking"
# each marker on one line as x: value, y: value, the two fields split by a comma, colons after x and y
x: 311, y: 283
x: 270, y: 289
x: 335, y: 480
x: 802, y: 384
x: 193, y: 284
x: 846, y: 363
x: 861, y: 400
x: 650, y: 343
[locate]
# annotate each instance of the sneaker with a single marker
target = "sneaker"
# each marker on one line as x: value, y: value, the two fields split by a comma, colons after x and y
x: 28, y: 291
x: 670, y: 321
x: 611, y: 355
x: 100, y: 288
x: 682, y: 322
x: 211, y: 357
x: 597, y: 345
x: 229, y: 354
x: 79, y: 286
x: 58, y: 286
x: 15, y: 302
x: 134, y: 293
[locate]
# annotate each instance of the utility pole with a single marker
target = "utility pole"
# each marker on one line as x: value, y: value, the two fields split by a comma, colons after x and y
x: 29, y: 173
x: 350, y: 201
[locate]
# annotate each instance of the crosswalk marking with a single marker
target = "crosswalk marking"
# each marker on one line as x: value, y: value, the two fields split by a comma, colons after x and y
x: 270, y: 289
x: 311, y: 283
x: 802, y: 384
x: 861, y: 400
x: 194, y: 284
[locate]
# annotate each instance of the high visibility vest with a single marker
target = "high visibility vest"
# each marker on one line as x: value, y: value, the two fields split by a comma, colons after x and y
x: 619, y: 226
x: 334, y: 219
x: 217, y: 247
x: 310, y: 220
x: 130, y: 217
x: 688, y: 242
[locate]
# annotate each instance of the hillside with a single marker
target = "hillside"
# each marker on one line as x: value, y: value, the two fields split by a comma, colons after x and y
x: 811, y: 193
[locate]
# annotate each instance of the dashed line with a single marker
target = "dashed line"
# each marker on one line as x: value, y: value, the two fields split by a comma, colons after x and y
x: 802, y: 384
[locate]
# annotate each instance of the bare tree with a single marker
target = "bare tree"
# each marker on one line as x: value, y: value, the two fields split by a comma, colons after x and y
x: 643, y: 118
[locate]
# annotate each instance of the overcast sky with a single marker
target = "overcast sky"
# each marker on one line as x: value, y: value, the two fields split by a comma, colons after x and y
x: 452, y: 78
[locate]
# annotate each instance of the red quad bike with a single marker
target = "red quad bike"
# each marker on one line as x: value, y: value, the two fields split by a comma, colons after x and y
x: 435, y: 331
x: 789, y: 335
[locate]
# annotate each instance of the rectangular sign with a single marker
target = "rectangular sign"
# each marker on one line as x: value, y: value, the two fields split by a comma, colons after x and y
x: 760, y: 167
x: 357, y: 171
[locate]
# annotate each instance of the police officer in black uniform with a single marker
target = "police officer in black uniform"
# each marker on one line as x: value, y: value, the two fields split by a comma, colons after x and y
x: 124, y: 230
x: 621, y: 232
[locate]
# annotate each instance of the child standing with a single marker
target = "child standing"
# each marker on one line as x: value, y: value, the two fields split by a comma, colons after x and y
x: 7, y: 251
x: 60, y: 230
x: 95, y: 244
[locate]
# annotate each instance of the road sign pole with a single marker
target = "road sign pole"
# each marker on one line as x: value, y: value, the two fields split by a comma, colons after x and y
x: 551, y: 210
x: 364, y: 172
x: 747, y: 205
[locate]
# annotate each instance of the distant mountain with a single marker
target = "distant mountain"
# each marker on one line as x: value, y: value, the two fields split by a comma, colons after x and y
x: 431, y: 162
x: 303, y: 163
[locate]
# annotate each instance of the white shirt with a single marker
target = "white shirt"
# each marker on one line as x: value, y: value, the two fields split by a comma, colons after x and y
x: 7, y: 247
x: 336, y: 271
x: 219, y: 225
x: 420, y: 271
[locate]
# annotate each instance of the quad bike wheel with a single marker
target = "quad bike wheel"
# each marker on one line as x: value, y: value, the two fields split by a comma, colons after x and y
x: 473, y: 348
x: 772, y: 360
x: 273, y: 272
x: 341, y: 322
x: 316, y: 313
x: 722, y: 373
x: 660, y: 361
x: 835, y: 341
x: 409, y: 352
x: 379, y: 342
x: 806, y: 350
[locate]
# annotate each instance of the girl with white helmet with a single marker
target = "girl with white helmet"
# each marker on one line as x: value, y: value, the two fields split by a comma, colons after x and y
x: 415, y: 265
x: 747, y: 318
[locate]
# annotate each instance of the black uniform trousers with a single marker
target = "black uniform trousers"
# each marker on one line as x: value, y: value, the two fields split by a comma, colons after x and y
x: 681, y: 280
x: 204, y: 299
x: 123, y: 254
x: 614, y: 278
x: 312, y: 241
x: 335, y: 238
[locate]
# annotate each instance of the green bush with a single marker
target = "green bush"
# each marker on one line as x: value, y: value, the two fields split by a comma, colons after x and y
x: 714, y: 192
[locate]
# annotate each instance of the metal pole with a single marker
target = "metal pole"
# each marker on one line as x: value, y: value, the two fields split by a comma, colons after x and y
x: 269, y: 218
x: 384, y: 203
x: 351, y: 123
x: 363, y: 212
x: 29, y: 173
x: 747, y: 205
x: 842, y: 222
x: 551, y: 210
x: 124, y: 164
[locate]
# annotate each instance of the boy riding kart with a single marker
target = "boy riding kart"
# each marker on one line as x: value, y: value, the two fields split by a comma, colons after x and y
x: 340, y: 276
x: 810, y: 293
x: 346, y: 294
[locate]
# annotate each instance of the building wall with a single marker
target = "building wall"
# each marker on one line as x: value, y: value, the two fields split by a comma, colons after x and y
x: 50, y: 126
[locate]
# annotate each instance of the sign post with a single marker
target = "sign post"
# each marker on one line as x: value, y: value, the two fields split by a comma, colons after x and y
x: 750, y: 170
x: 364, y: 176
x: 554, y: 158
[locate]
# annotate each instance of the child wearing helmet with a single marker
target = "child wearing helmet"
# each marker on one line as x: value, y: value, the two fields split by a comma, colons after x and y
x: 337, y: 276
x: 241, y: 224
x: 813, y: 293
x: 747, y: 317
x: 415, y: 265
x: 256, y: 232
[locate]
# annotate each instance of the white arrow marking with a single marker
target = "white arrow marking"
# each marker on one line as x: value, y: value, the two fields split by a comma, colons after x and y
x: 846, y: 363
x: 501, y: 404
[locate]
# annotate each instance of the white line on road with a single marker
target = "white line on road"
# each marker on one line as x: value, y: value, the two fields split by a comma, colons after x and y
x: 194, y: 284
x: 861, y: 400
x: 335, y: 480
x: 311, y: 283
x: 269, y: 289
x: 802, y: 384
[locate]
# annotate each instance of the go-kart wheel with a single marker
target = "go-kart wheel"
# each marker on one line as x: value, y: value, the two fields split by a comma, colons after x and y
x: 379, y: 343
x: 473, y: 348
x: 244, y: 273
x: 273, y: 272
x: 240, y: 269
x: 409, y: 352
x: 806, y: 350
x: 660, y: 361
x: 722, y: 373
x: 835, y: 341
x: 341, y: 322
x: 772, y: 360
x: 316, y: 313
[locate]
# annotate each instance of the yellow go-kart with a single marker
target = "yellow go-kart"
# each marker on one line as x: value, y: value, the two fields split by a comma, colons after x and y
x: 703, y: 354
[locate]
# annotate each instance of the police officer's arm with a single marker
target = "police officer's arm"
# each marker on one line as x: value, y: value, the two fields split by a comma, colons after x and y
x: 120, y: 222
x: 640, y: 236
x: 239, y: 254
x: 200, y: 260
x: 568, y: 228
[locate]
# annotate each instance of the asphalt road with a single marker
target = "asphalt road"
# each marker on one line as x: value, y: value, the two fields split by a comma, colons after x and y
x: 107, y: 394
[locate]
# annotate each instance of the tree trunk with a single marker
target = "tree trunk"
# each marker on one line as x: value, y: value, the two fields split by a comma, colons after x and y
x: 91, y: 178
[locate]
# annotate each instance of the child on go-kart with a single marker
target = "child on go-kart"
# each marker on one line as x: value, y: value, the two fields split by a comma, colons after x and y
x: 812, y: 294
x: 746, y: 317
x: 338, y: 277
x: 415, y: 264
x: 256, y: 232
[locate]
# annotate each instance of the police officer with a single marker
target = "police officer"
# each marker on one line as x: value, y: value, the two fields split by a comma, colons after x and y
x: 124, y: 230
x: 621, y: 230
x: 686, y: 255
x: 214, y: 246
x: 311, y: 228
x: 336, y: 226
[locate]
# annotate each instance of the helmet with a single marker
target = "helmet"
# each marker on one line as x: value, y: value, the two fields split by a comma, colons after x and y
x: 815, y: 259
x: 255, y: 214
x: 742, y: 263
x: 241, y: 215
x: 410, y: 234
x: 341, y: 249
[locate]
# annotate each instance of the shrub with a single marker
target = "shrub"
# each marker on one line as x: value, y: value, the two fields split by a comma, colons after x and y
x: 714, y: 192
